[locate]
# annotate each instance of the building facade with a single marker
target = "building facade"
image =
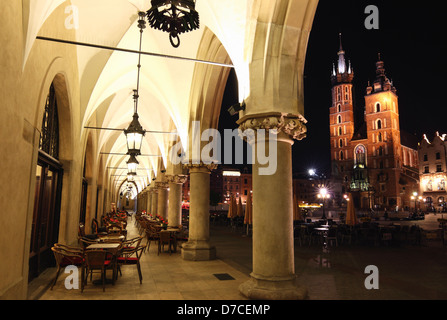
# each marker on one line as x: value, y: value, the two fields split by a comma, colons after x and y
x: 373, y: 159
x: 433, y: 173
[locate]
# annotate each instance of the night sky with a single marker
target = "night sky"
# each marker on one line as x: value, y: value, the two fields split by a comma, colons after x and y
x: 413, y: 46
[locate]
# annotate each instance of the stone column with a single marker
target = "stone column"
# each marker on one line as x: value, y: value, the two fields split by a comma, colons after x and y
x: 148, y: 200
x: 154, y: 204
x: 162, y: 203
x: 175, y: 199
x: 198, y: 246
x: 273, y: 275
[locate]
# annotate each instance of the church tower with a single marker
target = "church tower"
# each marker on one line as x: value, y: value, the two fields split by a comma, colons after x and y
x: 341, y: 114
x: 382, y: 122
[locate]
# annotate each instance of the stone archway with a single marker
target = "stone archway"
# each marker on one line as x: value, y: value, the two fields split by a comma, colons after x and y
x: 205, y: 102
x: 54, y: 149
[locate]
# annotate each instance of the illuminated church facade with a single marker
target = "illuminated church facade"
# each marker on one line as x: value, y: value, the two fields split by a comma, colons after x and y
x: 373, y: 159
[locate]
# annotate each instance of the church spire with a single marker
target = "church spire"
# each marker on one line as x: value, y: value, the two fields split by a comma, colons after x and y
x: 343, y: 73
x: 341, y: 58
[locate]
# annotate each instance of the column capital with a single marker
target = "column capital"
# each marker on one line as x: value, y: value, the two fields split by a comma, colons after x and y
x: 290, y: 124
x: 201, y: 166
x: 161, y: 185
x: 176, y: 178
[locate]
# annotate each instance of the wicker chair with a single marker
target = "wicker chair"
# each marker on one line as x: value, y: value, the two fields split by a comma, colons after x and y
x: 151, y: 235
x: 84, y: 242
x: 65, y: 257
x: 99, y: 260
x: 131, y: 244
x: 131, y: 257
x: 164, y: 238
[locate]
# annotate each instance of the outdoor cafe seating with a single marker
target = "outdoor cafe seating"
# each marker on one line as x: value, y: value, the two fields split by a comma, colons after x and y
x: 99, y: 252
x: 365, y: 233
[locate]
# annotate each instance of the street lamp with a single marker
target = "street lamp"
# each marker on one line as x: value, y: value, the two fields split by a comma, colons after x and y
x: 415, y: 198
x: 323, y: 194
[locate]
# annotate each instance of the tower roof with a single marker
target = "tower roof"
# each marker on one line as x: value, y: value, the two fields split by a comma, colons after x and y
x: 343, y: 73
x: 381, y: 83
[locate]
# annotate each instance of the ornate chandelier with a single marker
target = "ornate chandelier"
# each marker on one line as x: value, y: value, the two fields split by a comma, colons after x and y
x: 173, y: 16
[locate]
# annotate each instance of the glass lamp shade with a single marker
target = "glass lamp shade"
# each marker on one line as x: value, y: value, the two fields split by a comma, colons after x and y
x: 132, y: 164
x: 131, y: 176
x: 134, y: 136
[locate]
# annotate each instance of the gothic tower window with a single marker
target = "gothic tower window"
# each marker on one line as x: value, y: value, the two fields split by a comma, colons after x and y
x: 377, y: 107
x: 339, y: 119
x: 360, y: 155
x: 379, y: 124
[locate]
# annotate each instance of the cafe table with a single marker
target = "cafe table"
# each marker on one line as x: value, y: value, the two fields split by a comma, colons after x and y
x: 112, y: 247
x: 111, y: 237
x: 172, y: 232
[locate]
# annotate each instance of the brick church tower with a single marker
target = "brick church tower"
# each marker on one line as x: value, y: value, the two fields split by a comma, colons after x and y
x: 374, y: 159
x: 341, y: 113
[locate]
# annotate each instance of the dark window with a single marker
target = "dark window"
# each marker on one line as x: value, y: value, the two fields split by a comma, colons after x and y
x: 49, y: 136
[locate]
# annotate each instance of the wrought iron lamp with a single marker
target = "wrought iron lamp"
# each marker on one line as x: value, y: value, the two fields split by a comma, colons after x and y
x: 135, y: 132
x: 173, y: 16
x: 132, y: 164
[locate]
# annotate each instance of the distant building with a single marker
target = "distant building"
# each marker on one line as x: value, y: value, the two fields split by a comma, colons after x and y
x: 226, y: 181
x: 237, y: 183
x: 433, y: 172
x: 372, y: 158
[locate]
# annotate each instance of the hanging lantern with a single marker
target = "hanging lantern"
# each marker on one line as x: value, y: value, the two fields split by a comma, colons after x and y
x: 132, y: 164
x: 135, y: 132
x: 173, y: 16
x: 131, y: 176
x: 134, y: 136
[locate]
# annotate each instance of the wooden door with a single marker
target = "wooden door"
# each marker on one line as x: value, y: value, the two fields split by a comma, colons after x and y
x: 45, y: 225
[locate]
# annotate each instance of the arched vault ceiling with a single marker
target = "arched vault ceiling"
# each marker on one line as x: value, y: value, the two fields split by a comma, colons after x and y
x: 107, y: 78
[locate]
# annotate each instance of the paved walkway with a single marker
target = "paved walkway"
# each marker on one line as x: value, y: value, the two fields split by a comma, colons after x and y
x: 405, y: 272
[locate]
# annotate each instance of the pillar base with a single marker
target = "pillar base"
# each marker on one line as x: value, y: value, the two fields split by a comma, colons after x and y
x: 261, y: 288
x: 198, y: 251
